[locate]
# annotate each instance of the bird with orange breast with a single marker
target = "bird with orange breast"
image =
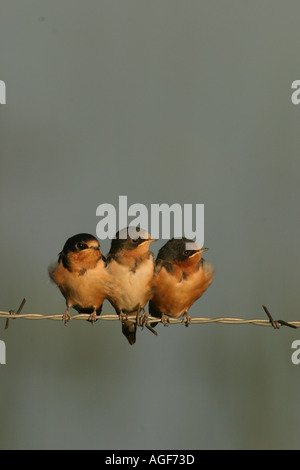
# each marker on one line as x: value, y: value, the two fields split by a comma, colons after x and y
x: 181, y: 277
x: 130, y: 265
x: 81, y: 276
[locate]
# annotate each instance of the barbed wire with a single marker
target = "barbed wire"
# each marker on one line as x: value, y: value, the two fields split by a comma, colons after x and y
x: 12, y: 315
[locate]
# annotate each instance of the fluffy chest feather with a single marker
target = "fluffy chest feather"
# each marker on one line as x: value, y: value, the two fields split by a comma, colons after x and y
x: 175, y: 293
x: 130, y: 286
x: 83, y: 288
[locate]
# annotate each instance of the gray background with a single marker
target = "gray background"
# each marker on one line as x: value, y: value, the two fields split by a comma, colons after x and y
x: 162, y: 101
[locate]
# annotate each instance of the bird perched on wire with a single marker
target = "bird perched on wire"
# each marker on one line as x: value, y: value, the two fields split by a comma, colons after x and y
x: 81, y: 276
x: 181, y: 277
x: 131, y: 267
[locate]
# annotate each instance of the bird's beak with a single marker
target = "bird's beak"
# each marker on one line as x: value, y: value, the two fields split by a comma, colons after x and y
x: 201, y: 250
x: 148, y: 240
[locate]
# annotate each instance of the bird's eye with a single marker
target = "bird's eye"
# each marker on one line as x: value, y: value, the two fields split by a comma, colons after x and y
x: 186, y: 252
x: 81, y: 246
x: 135, y: 240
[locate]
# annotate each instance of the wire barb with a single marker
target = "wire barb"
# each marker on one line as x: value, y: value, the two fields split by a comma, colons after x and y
x: 12, y: 312
x: 278, y: 323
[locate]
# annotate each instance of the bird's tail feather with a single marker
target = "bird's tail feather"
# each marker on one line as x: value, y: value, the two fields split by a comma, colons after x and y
x: 129, y: 330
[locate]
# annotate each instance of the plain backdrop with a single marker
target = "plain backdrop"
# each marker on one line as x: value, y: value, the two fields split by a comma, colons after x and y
x: 163, y: 101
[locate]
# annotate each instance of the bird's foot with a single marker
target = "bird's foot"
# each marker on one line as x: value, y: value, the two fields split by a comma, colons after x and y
x: 186, y: 319
x: 93, y: 317
x: 122, y: 316
x: 138, y: 317
x: 66, y: 317
x: 165, y: 319
x: 143, y: 320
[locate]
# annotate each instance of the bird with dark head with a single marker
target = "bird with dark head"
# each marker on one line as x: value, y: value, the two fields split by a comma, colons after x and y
x: 81, y: 276
x: 181, y: 277
x: 131, y: 267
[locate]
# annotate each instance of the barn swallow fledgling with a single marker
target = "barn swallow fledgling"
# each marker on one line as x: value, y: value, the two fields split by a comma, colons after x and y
x: 81, y: 276
x: 181, y: 277
x: 131, y: 267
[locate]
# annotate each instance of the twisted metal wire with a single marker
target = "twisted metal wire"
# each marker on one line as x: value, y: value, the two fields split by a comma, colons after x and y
x: 193, y: 320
